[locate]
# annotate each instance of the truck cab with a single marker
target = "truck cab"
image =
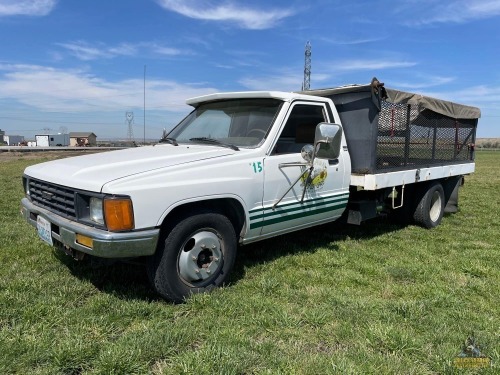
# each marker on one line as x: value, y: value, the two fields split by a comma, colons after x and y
x: 272, y: 130
x: 242, y: 166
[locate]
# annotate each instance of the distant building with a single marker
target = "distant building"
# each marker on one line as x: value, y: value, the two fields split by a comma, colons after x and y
x: 10, y: 140
x: 13, y: 140
x: 82, y: 139
x: 50, y: 140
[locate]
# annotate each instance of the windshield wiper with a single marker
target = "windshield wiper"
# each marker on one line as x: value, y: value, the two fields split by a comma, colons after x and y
x: 214, y: 142
x: 172, y: 141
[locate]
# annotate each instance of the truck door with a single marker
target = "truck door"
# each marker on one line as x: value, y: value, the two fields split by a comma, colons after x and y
x: 325, y: 197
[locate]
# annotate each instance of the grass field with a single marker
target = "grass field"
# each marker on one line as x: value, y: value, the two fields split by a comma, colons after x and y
x: 379, y: 298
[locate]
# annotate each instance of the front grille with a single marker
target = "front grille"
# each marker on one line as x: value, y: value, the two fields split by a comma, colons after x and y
x: 55, y: 198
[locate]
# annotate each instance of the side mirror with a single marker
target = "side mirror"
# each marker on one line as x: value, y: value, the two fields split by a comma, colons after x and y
x: 327, y: 141
x: 307, y: 153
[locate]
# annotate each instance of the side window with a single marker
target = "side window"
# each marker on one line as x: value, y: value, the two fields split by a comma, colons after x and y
x: 299, y: 128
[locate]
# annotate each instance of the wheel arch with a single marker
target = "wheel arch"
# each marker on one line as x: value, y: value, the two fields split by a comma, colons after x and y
x: 448, y: 184
x: 230, y: 207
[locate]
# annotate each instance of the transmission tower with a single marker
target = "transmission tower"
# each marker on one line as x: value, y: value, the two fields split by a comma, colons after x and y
x: 307, y: 68
x: 129, y: 117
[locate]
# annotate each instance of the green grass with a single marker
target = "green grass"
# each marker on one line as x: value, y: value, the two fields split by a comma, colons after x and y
x: 377, y: 299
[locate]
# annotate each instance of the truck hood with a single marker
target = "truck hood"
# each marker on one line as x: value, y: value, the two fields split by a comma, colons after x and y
x: 91, y: 172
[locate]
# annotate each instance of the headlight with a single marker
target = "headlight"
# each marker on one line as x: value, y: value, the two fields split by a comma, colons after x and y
x: 115, y: 213
x: 96, y: 212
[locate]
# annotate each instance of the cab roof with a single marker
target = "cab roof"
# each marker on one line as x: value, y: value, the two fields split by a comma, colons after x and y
x: 285, y: 96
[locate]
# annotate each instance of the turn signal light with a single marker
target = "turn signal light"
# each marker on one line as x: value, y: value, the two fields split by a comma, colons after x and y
x: 118, y: 214
x: 84, y: 240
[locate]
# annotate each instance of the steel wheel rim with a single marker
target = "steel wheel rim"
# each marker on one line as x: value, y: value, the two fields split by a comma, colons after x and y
x: 200, y: 257
x: 435, y: 210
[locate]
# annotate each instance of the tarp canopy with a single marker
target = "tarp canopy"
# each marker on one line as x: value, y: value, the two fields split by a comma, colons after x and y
x: 446, y: 108
x: 443, y: 107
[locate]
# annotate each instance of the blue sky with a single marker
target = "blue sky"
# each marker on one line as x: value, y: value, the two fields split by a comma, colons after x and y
x: 78, y: 65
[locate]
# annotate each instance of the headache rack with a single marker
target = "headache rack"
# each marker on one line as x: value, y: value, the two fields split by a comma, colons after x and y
x: 390, y: 130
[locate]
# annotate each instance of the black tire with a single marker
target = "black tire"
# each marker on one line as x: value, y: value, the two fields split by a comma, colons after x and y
x: 196, y: 256
x: 430, y: 208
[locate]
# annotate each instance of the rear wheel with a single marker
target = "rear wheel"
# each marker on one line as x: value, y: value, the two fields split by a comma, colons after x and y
x: 430, y: 208
x: 195, y: 257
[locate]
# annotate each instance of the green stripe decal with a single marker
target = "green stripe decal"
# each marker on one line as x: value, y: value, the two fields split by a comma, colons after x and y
x: 291, y: 211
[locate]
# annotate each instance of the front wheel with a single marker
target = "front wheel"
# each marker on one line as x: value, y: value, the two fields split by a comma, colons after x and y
x: 430, y: 207
x: 195, y: 257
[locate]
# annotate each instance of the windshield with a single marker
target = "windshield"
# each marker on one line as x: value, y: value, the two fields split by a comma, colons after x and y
x: 239, y: 122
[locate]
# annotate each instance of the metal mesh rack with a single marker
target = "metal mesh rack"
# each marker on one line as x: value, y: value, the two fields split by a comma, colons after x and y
x: 409, y: 136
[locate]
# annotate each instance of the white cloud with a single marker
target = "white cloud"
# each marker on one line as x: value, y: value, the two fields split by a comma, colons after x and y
x: 455, y: 11
x: 49, y: 89
x: 351, y: 41
x: 243, y: 16
x: 365, y: 64
x: 224, y: 66
x: 123, y: 49
x: 482, y: 95
x: 462, y: 11
x: 424, y: 81
x: 26, y: 7
x: 291, y: 82
x: 281, y: 81
x: 86, y: 51
x: 163, y: 50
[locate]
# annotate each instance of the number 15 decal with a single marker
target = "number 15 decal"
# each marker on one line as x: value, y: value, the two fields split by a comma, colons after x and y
x: 257, y: 167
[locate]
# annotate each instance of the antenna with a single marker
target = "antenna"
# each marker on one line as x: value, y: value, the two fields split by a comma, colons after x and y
x: 307, y: 67
x: 144, y: 104
x: 129, y: 117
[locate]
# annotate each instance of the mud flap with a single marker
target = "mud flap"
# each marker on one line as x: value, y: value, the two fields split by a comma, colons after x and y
x: 360, y: 211
x: 451, y: 192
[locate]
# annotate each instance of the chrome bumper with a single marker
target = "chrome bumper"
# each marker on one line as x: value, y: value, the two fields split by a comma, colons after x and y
x: 105, y: 244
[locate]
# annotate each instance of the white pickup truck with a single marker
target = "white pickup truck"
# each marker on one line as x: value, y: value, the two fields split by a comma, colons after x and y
x: 246, y: 166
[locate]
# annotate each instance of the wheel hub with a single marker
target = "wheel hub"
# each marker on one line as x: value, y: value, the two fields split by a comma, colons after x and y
x: 200, y: 257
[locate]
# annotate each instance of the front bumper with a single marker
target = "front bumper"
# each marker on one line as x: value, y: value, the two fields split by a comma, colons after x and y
x: 105, y: 244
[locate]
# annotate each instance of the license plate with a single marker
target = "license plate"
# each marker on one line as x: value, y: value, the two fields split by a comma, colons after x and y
x: 44, y: 230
